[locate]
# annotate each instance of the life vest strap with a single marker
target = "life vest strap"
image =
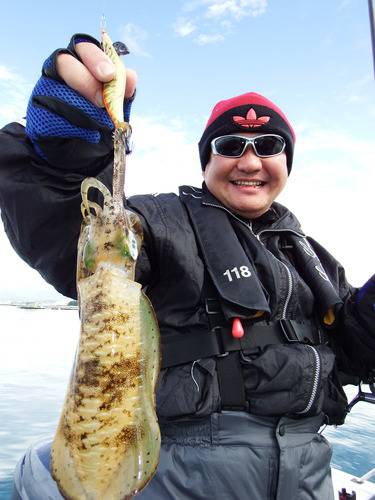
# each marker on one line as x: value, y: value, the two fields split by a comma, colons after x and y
x: 187, y: 347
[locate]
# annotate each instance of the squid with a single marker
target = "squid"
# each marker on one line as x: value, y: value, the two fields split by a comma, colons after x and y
x: 107, y: 443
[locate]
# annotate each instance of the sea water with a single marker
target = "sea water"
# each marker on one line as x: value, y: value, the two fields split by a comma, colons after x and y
x: 36, y: 356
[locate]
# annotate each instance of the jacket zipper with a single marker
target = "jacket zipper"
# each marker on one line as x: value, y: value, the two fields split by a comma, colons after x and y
x: 290, y: 289
x: 257, y: 236
x: 290, y: 279
x: 289, y: 274
x: 316, y: 381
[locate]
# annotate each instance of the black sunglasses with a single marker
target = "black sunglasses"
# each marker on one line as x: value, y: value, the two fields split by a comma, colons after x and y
x: 234, y: 146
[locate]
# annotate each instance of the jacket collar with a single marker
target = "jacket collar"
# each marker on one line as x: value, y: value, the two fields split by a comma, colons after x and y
x: 278, y: 217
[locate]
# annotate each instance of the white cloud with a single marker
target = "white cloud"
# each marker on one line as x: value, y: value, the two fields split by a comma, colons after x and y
x: 7, y: 74
x: 226, y: 25
x: 354, y: 98
x: 134, y: 36
x: 183, y: 27
x: 335, y: 142
x: 207, y: 39
x: 235, y: 8
x: 191, y: 5
x: 343, y: 4
x: 214, y: 15
x: 358, y: 90
x: 14, y: 92
x: 363, y: 81
x: 164, y: 157
x: 224, y: 8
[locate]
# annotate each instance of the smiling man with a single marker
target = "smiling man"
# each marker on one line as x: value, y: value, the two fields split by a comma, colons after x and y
x: 256, y: 318
x: 247, y: 169
x: 247, y: 179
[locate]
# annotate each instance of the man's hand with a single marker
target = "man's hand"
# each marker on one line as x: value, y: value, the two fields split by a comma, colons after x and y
x: 66, y: 120
x: 87, y: 77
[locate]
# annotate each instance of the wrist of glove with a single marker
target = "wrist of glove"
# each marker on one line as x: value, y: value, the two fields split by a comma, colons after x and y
x: 66, y: 129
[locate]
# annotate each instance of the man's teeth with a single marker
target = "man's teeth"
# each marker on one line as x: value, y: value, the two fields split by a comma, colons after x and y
x: 248, y: 183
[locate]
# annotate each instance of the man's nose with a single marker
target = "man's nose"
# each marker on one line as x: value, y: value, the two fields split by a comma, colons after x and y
x: 249, y: 161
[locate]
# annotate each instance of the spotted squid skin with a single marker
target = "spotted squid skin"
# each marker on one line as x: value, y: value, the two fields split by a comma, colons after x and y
x: 108, y: 440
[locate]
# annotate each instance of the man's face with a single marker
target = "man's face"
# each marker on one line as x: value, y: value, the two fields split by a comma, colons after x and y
x: 247, y: 185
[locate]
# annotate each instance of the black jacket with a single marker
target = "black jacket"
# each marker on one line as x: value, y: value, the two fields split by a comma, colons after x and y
x: 41, y: 213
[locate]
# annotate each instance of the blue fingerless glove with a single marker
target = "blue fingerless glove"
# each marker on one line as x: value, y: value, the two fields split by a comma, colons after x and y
x: 66, y: 129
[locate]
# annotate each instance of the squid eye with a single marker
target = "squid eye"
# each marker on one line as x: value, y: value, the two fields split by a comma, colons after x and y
x: 127, y: 244
x: 121, y: 244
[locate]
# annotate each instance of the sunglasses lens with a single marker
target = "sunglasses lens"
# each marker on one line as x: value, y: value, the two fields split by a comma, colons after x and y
x: 230, y: 145
x: 269, y: 145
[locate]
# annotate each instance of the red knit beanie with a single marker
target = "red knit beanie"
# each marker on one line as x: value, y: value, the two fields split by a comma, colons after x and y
x: 249, y: 112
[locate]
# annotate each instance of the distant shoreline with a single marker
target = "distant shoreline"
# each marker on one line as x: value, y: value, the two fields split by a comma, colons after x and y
x: 72, y: 305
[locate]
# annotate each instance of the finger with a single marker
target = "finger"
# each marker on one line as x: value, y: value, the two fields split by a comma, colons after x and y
x: 86, y: 77
x: 79, y: 78
x: 131, y: 82
x: 96, y: 61
x: 101, y: 66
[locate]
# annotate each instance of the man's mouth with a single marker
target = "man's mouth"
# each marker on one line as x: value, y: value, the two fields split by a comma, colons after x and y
x: 248, y: 183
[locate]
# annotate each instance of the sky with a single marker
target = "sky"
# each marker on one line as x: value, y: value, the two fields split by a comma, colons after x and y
x: 311, y: 57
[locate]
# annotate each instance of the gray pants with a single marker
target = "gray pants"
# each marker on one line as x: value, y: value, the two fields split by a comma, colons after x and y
x: 229, y: 456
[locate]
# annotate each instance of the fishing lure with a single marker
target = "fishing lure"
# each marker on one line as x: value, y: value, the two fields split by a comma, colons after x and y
x: 108, y: 440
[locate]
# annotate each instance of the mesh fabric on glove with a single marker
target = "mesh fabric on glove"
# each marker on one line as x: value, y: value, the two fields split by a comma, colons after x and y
x: 66, y: 129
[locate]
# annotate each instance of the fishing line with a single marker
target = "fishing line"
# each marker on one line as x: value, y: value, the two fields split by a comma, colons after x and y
x: 192, y: 373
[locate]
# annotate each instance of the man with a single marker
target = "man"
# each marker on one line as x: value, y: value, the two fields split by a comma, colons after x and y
x: 256, y: 319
